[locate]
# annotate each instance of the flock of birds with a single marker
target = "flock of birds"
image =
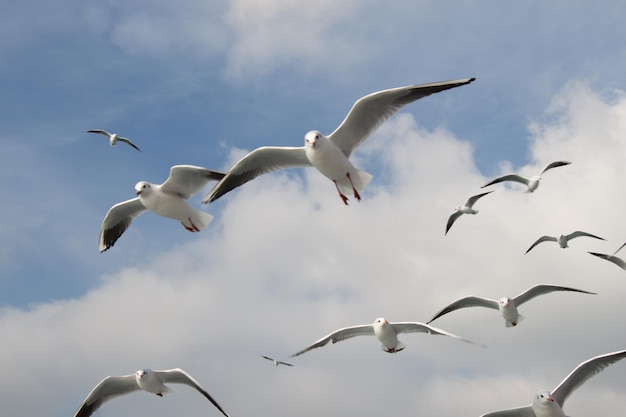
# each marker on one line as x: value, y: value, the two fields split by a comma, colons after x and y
x: 330, y: 156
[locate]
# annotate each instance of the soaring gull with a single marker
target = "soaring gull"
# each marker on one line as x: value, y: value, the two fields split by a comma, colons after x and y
x: 507, y: 306
x: 276, y: 362
x: 562, y: 239
x: 329, y: 154
x: 386, y: 332
x: 113, y: 137
x: 168, y: 199
x: 144, y: 379
x: 464, y: 209
x: 533, y: 182
x: 550, y: 404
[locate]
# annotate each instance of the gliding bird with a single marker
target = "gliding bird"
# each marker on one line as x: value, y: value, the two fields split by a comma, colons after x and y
x: 562, y: 240
x: 533, y: 182
x: 464, y: 209
x: 113, y: 137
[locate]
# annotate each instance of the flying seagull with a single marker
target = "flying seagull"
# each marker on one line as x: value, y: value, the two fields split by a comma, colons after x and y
x: 168, y: 199
x: 507, y: 306
x: 533, y: 182
x: 612, y: 258
x: 277, y: 362
x: 144, y: 379
x: 562, y: 239
x: 113, y: 137
x: 386, y: 332
x: 464, y: 209
x: 329, y: 154
x: 550, y: 404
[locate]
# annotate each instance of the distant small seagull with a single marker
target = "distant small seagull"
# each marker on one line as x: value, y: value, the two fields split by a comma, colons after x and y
x: 113, y: 138
x: 533, y: 182
x: 277, y: 362
x: 168, y: 199
x: 386, y: 332
x: 464, y: 209
x: 329, y: 154
x: 612, y: 258
x: 507, y: 306
x: 550, y: 404
x: 144, y: 379
x: 562, y: 239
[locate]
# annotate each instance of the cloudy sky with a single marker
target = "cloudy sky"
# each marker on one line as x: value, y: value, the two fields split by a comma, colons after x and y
x: 284, y: 261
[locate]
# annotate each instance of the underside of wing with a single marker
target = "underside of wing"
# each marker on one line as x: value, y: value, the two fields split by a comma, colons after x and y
x: 469, y: 301
x: 339, y: 335
x: 187, y: 180
x: 117, y: 220
x: 540, y: 289
x: 108, y: 388
x: 178, y: 376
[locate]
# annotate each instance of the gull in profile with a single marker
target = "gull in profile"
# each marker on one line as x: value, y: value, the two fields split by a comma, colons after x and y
x: 168, y: 199
x: 386, y: 332
x: 276, y: 362
x: 507, y: 306
x: 533, y: 182
x: 329, y: 154
x: 562, y: 240
x: 464, y: 209
x: 113, y: 137
x: 550, y: 404
x: 612, y: 258
x: 144, y: 379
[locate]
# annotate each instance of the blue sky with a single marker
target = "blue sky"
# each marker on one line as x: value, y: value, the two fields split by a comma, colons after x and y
x: 284, y: 262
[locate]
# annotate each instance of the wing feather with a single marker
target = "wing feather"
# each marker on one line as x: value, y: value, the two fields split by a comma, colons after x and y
x: 178, y: 376
x: 117, y: 220
x: 540, y: 289
x: 339, y: 335
x: 187, y: 180
x: 464, y: 302
x: 108, y: 388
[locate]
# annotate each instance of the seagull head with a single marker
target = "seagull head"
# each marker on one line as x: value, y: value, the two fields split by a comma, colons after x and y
x: 543, y: 398
x: 381, y: 321
x: 504, y: 302
x: 141, y: 186
x: 142, y: 373
x: 311, y: 138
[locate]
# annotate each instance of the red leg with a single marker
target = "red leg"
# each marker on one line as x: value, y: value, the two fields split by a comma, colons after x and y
x: 343, y: 197
x: 356, y: 193
x: 192, y: 228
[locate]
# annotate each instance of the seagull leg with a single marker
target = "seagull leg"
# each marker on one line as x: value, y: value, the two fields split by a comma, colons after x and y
x: 356, y: 193
x: 192, y: 228
x: 343, y: 197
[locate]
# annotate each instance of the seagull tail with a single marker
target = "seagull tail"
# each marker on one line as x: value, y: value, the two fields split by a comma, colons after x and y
x: 358, y: 178
x: 202, y: 219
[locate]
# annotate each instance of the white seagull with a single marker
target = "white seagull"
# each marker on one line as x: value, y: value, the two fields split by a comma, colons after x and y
x: 329, y: 154
x: 386, y: 332
x: 144, y: 379
x: 507, y: 306
x: 168, y: 199
x: 113, y: 137
x: 533, y: 182
x: 612, y: 258
x: 562, y: 239
x: 550, y: 404
x: 464, y: 209
x: 276, y: 362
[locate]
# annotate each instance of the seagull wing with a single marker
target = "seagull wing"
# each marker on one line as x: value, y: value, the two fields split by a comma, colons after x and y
x: 187, y: 180
x: 620, y: 248
x: 508, y: 177
x: 260, y: 161
x: 541, y: 239
x: 126, y: 140
x: 452, y: 219
x: 370, y: 111
x: 611, y: 258
x: 339, y: 335
x: 416, y: 327
x: 554, y: 165
x: 109, y: 387
x: 578, y: 233
x: 512, y: 412
x: 178, y: 376
x: 117, y: 220
x: 473, y: 199
x: 583, y: 372
x: 540, y: 289
x: 469, y: 301
x: 99, y: 131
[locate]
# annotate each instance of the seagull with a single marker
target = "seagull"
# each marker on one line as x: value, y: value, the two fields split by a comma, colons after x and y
x: 277, y: 362
x: 329, y: 154
x: 464, y: 209
x: 612, y: 258
x: 167, y: 199
x: 113, y: 138
x: 144, y: 379
x: 532, y: 182
x: 507, y: 306
x: 550, y: 404
x: 386, y: 332
x: 562, y: 239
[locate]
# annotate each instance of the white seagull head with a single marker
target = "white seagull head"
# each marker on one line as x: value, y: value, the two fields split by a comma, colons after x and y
x: 311, y: 138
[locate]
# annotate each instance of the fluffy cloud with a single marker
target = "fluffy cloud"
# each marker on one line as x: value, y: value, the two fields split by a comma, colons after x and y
x: 285, y: 263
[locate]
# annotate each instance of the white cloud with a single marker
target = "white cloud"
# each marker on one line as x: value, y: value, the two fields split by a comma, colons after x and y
x: 285, y: 263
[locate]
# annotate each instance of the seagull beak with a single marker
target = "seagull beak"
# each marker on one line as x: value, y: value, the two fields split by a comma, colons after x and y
x: 550, y: 399
x: 138, y: 192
